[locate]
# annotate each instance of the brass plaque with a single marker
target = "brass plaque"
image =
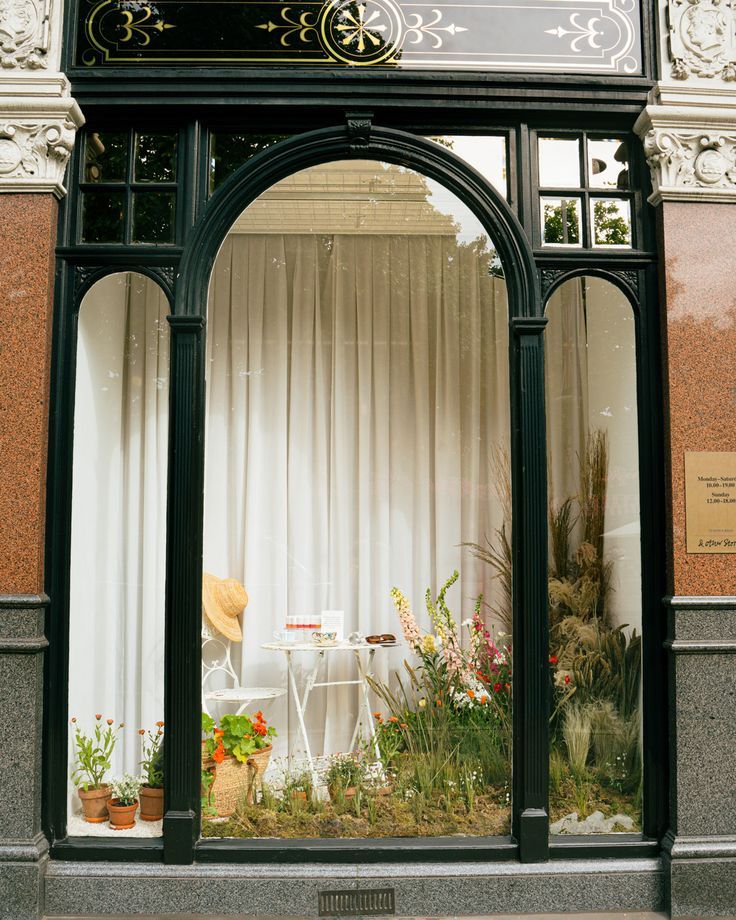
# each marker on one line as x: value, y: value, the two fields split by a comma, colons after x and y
x: 710, y: 501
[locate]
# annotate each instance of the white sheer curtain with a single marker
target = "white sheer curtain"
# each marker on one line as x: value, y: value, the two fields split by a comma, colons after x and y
x: 357, y: 389
x: 119, y: 510
x: 357, y: 386
x: 590, y: 380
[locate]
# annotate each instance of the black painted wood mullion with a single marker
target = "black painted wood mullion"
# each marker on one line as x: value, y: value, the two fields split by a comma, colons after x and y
x: 182, y: 698
x: 530, y: 819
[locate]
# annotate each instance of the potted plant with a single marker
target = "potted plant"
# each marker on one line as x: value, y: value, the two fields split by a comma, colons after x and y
x: 124, y: 802
x: 237, y: 753
x: 152, y: 789
x: 92, y: 762
x: 344, y: 776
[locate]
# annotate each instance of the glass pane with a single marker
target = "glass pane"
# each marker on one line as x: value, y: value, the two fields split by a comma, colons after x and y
x: 608, y: 163
x: 118, y: 554
x: 102, y: 217
x: 611, y: 219
x: 357, y: 459
x: 155, y: 157
x: 229, y: 151
x: 106, y: 157
x: 153, y: 217
x: 486, y: 154
x: 595, y: 560
x: 559, y: 162
x: 561, y: 221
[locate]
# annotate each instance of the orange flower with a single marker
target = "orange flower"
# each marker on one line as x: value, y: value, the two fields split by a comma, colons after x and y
x: 403, y: 725
x: 219, y: 753
x: 471, y: 694
x: 141, y: 731
x: 109, y: 721
x: 484, y: 698
x: 393, y: 719
x: 160, y: 724
x: 259, y: 716
x: 98, y: 716
x: 219, y: 733
x: 438, y: 702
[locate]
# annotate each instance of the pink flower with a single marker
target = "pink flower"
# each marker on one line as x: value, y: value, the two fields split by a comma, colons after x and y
x: 407, y: 620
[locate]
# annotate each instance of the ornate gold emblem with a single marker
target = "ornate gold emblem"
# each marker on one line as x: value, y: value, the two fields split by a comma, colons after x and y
x: 361, y: 33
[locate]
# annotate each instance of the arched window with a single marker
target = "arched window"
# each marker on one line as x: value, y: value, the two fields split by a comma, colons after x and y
x: 118, y: 537
x: 357, y: 458
x: 595, y: 585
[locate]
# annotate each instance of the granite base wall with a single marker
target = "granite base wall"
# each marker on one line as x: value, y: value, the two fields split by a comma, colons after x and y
x: 22, y: 846
x: 701, y: 847
x: 421, y: 890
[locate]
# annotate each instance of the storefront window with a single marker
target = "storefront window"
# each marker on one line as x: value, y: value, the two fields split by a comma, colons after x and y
x: 595, y: 612
x: 356, y: 600
x: 118, y: 552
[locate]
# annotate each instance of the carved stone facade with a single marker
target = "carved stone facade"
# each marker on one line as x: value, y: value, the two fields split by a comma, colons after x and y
x: 701, y: 38
x: 24, y: 33
x: 690, y: 145
x: 38, y: 117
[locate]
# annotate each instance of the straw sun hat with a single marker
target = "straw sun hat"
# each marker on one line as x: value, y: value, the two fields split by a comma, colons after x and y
x: 223, y: 600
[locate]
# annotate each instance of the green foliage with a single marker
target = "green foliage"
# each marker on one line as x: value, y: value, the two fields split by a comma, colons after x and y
x: 610, y: 227
x: 344, y: 772
x: 237, y: 735
x: 207, y: 779
x: 125, y: 789
x: 561, y: 227
x: 153, y: 756
x: 93, y: 753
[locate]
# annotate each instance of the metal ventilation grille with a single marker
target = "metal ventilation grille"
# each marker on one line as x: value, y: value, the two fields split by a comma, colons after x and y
x: 366, y: 902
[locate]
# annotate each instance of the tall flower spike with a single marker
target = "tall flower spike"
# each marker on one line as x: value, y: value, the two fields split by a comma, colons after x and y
x: 407, y: 620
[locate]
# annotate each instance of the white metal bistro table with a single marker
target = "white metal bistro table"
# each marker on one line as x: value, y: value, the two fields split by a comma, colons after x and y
x: 364, y: 669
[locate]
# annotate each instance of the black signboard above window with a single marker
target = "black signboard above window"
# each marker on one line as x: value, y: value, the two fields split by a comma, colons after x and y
x: 569, y: 36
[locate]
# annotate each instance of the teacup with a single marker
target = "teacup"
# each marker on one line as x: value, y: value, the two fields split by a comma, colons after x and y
x: 324, y: 638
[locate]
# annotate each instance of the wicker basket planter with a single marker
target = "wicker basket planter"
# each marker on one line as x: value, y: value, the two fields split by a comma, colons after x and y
x: 235, y: 782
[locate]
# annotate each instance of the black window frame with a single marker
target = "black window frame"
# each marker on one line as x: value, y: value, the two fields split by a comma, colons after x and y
x: 359, y: 116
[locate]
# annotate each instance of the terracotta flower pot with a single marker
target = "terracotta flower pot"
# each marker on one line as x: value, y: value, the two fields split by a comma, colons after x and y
x: 94, y: 803
x: 152, y: 803
x: 122, y: 817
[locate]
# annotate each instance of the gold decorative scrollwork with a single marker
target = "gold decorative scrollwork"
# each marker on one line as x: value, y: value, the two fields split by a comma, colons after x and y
x: 304, y: 26
x: 140, y: 29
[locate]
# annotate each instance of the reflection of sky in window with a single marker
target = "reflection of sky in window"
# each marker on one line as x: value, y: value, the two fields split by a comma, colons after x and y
x: 487, y: 155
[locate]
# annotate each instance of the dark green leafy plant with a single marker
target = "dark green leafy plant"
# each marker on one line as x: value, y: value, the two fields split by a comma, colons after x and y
x: 93, y: 753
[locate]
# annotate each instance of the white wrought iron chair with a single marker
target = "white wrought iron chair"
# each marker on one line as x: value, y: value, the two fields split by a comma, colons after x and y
x: 216, y: 658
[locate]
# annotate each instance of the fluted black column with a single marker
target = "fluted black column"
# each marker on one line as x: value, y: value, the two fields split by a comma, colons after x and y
x: 531, y: 629
x: 183, y: 589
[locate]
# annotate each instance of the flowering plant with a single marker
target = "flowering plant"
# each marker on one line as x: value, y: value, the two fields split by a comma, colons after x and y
x: 153, y: 756
x: 457, y: 704
x: 125, y: 789
x: 93, y: 753
x: 238, y: 736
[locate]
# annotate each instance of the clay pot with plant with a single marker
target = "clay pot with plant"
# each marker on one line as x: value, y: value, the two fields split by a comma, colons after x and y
x: 344, y: 777
x: 92, y: 763
x: 152, y: 789
x: 124, y: 802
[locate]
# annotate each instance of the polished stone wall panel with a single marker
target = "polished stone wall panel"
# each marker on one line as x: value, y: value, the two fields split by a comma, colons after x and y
x: 703, y: 888
x: 21, y: 891
x: 21, y: 706
x: 27, y: 241
x: 705, y: 782
x: 700, y: 368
